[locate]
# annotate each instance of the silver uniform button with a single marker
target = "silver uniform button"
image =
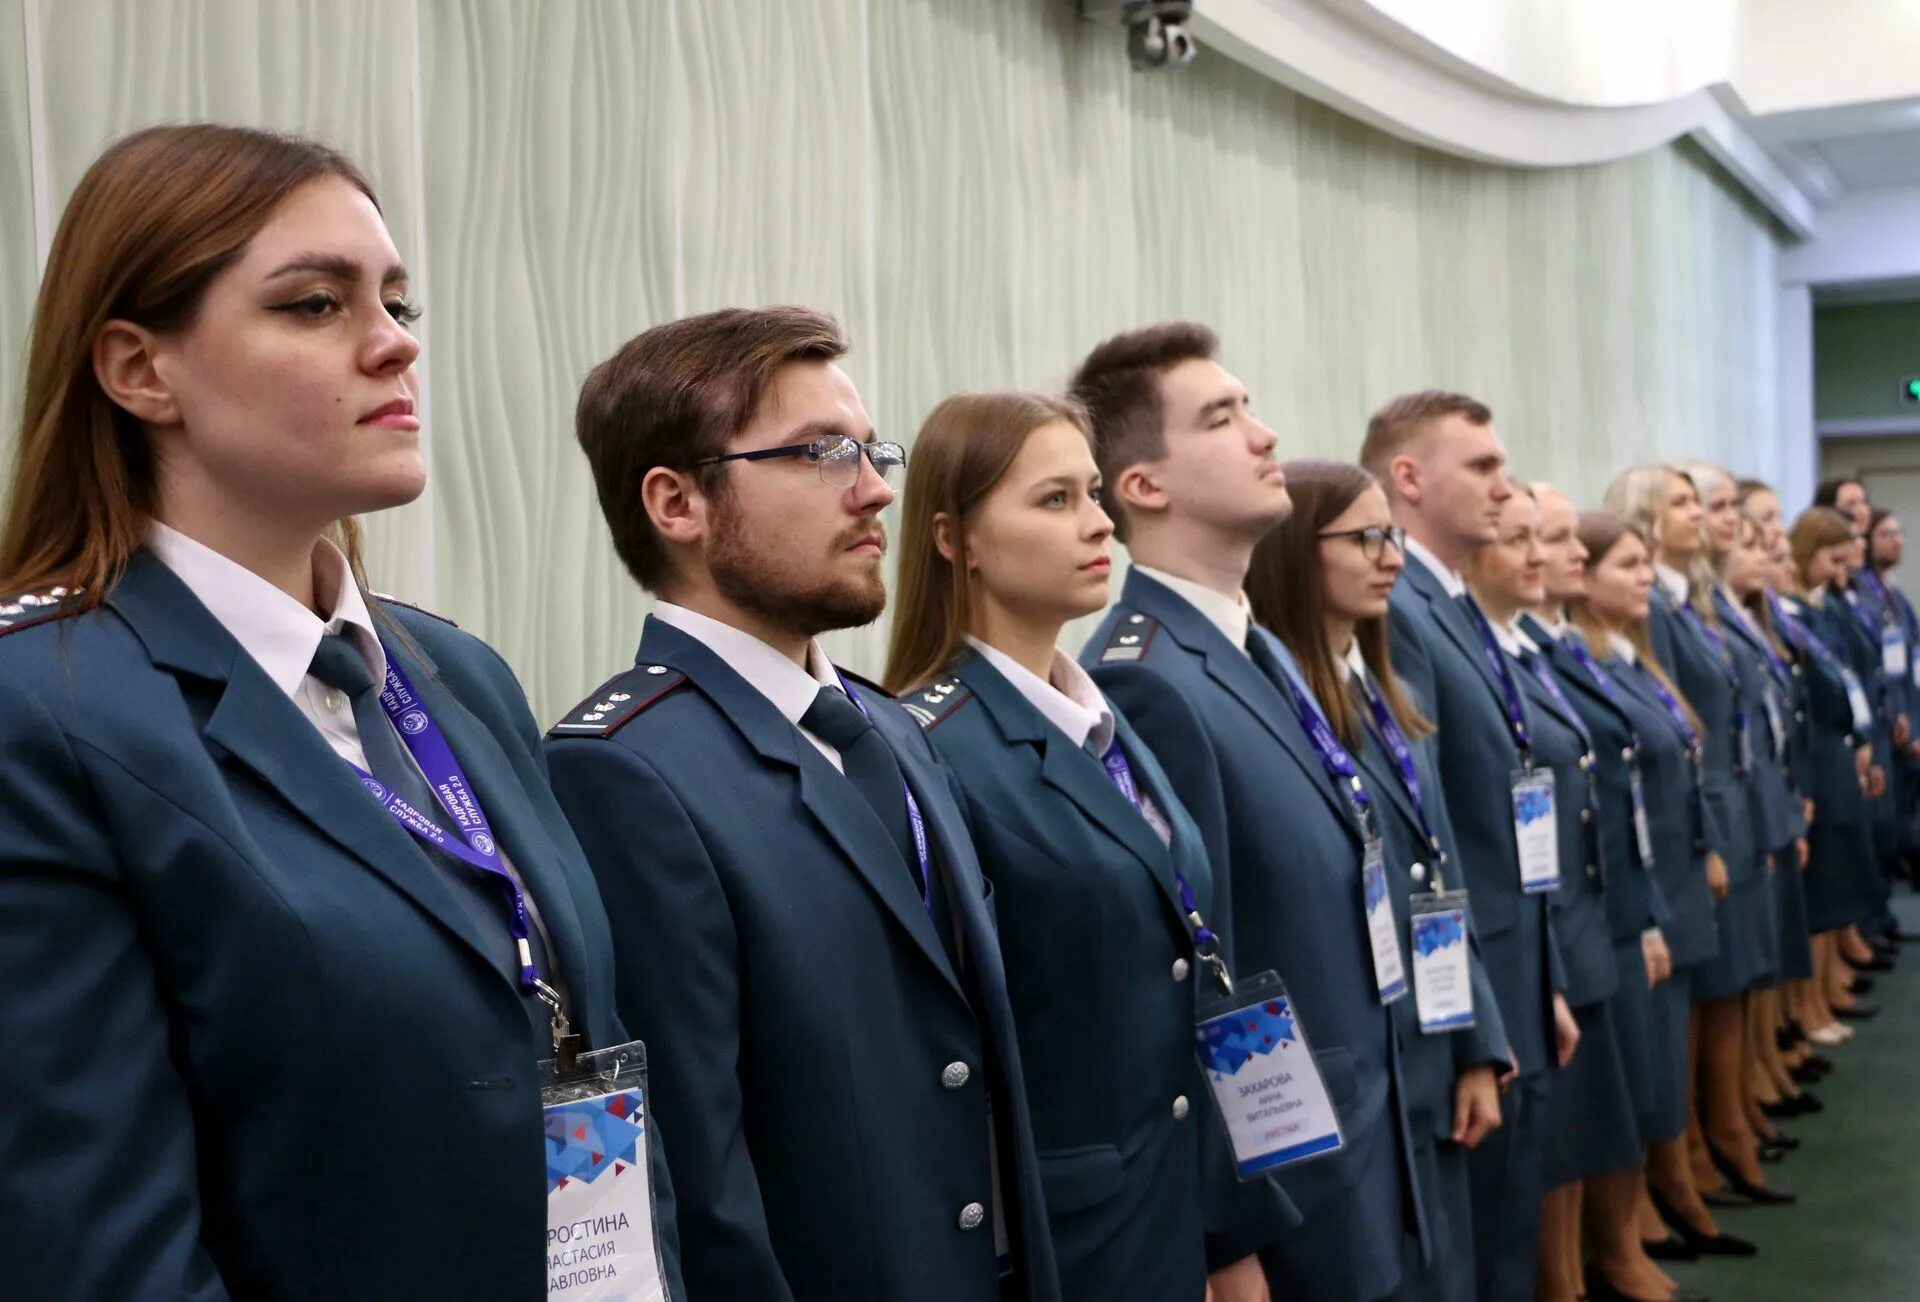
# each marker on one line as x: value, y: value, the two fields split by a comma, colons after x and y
x: 1593, y: 870
x: 1586, y: 815
x: 1180, y: 969
x: 1418, y: 872
x: 971, y: 1215
x: 335, y: 700
x: 956, y: 1075
x: 1180, y: 1107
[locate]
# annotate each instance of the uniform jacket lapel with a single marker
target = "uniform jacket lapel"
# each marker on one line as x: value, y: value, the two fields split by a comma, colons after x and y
x: 253, y: 721
x: 842, y: 813
x: 1233, y: 670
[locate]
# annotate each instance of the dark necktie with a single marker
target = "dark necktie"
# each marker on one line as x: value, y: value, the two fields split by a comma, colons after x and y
x: 868, y: 764
x: 339, y: 664
x: 1268, y: 663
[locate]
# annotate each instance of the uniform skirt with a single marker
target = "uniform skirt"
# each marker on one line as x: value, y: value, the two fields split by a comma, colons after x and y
x: 1842, y: 885
x: 1591, y: 1126
x: 1672, y: 1006
x: 1790, y: 898
x: 1744, y: 923
x: 1638, y: 1031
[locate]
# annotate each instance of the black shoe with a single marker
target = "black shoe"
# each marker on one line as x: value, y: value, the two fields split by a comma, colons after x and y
x: 1861, y: 985
x: 1758, y: 1193
x: 1706, y: 1245
x: 1799, y: 1105
x: 1900, y: 935
x: 1806, y: 1074
x: 1860, y: 1012
x: 1819, y: 1062
x: 1671, y: 1248
x: 1781, y: 1140
x: 1724, y: 1198
x: 1880, y: 962
x: 1771, y: 1154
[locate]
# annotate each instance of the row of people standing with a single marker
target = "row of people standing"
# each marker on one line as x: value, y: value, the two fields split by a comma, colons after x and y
x: 1306, y: 937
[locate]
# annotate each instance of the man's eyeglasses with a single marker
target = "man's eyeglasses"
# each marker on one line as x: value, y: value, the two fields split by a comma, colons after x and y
x: 1374, y: 538
x: 835, y: 456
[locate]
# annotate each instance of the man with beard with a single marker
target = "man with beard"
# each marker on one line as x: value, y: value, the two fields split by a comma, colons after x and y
x: 800, y: 924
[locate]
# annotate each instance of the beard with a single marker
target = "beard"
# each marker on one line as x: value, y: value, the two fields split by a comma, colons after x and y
x: 781, y: 589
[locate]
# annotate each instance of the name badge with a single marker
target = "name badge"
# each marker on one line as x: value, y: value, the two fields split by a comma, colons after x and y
x: 1264, y: 1079
x: 1743, y: 745
x: 1642, y: 830
x: 602, y: 1241
x: 1389, y: 975
x: 1535, y: 830
x: 1893, y: 652
x: 1857, y: 698
x: 1442, y: 976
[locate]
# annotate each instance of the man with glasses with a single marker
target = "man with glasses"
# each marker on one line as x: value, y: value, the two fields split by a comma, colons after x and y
x: 801, y: 926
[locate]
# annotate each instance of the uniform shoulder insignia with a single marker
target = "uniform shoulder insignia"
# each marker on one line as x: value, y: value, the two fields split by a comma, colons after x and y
x: 420, y: 610
x: 618, y: 702
x: 31, y: 608
x: 935, y: 703
x: 1130, y: 638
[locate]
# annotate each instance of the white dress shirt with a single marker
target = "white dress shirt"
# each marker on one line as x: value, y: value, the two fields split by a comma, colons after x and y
x: 1449, y: 578
x: 1067, y: 696
x: 1231, y: 615
x: 773, y: 675
x: 1623, y: 647
x: 1673, y: 581
x: 279, y: 633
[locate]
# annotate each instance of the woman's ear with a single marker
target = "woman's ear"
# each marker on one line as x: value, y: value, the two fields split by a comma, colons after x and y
x: 126, y: 370
x: 945, y: 539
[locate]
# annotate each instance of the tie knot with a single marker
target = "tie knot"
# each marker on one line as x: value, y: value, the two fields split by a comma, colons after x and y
x: 339, y: 664
x: 835, y: 719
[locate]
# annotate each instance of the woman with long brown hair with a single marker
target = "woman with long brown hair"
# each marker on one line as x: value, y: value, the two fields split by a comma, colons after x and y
x: 1320, y: 584
x: 1842, y: 877
x: 1612, y: 623
x: 1102, y: 889
x: 288, y: 917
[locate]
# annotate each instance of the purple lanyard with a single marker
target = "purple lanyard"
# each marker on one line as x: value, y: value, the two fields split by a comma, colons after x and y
x: 1509, y: 691
x: 1755, y: 636
x: 1802, y: 637
x: 1537, y: 666
x: 1604, y: 681
x: 1334, y: 759
x: 1877, y: 589
x: 1115, y: 761
x: 1679, y: 716
x: 476, y: 848
x: 914, y: 820
x: 1387, y: 732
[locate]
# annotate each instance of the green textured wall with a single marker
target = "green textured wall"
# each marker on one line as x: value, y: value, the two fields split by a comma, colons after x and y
x: 1862, y: 352
x: 979, y: 189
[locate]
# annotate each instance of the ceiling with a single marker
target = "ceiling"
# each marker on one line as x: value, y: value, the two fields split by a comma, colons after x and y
x: 1834, y: 152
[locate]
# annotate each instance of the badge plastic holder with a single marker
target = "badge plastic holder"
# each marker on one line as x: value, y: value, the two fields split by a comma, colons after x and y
x: 1389, y: 972
x: 1264, y: 1079
x: 603, y: 1230
x: 1442, y: 966
x: 1536, y: 834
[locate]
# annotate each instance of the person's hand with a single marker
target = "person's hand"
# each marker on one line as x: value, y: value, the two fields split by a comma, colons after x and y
x: 1717, y: 880
x: 1243, y: 1281
x: 1863, y: 768
x: 1566, y: 1031
x: 1803, y: 852
x: 1659, y: 959
x: 1808, y: 804
x: 1902, y: 730
x: 1876, y: 782
x: 1476, y: 1106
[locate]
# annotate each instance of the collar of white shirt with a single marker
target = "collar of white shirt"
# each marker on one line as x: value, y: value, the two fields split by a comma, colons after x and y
x: 1231, y: 615
x: 774, y: 676
x: 1673, y: 581
x: 1554, y: 630
x: 1353, y: 665
x: 1512, y: 640
x: 278, y: 632
x: 1623, y: 647
x: 1066, y: 697
x: 1449, y: 579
